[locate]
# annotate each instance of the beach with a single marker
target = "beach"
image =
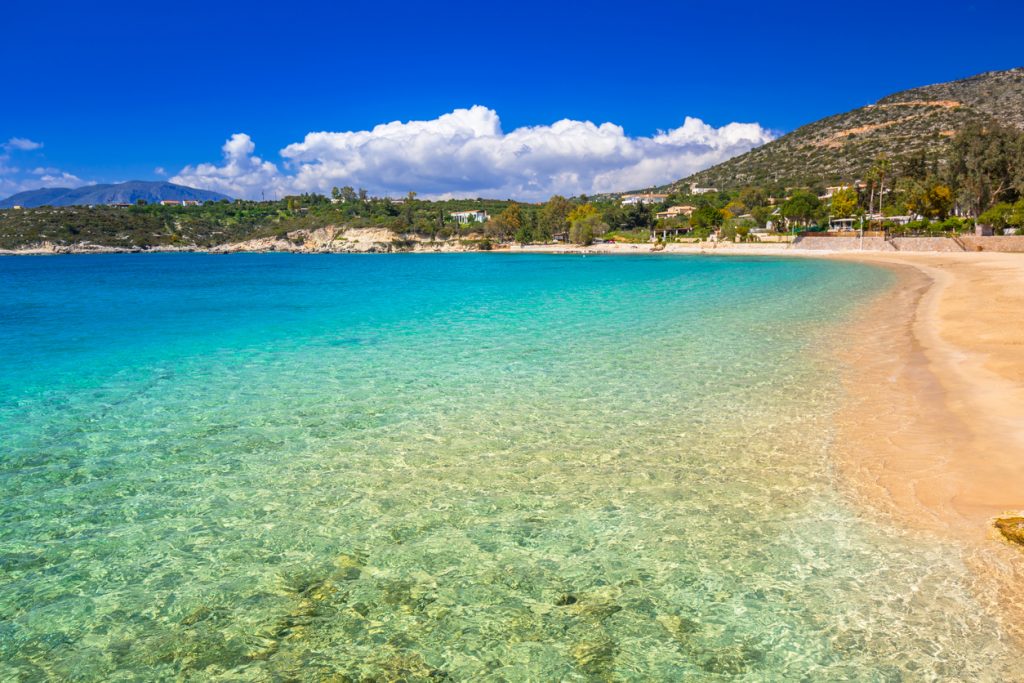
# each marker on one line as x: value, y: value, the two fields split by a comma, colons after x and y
x: 932, y: 435
x: 945, y: 406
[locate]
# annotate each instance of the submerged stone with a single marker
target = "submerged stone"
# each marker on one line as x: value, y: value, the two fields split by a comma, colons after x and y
x: 595, y: 657
x: 1012, y: 529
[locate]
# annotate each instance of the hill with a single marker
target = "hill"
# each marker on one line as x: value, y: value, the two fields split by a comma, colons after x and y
x: 119, y: 193
x: 843, y: 146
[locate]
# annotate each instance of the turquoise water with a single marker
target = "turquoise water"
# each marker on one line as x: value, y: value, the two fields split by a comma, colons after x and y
x: 449, y: 467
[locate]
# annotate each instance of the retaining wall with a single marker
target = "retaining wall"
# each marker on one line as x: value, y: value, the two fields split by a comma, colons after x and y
x: 926, y: 244
x: 842, y: 243
x: 1011, y: 243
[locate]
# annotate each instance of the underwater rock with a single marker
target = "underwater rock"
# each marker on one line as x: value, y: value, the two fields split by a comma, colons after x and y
x: 680, y: 627
x: 199, y: 614
x: 596, y: 658
x: 1012, y: 529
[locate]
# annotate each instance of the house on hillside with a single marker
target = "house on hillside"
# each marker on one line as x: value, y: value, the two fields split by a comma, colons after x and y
x: 190, y: 202
x: 645, y: 198
x: 464, y: 217
x: 120, y: 205
x: 702, y: 190
x: 832, y: 191
x: 170, y: 202
x: 678, y: 211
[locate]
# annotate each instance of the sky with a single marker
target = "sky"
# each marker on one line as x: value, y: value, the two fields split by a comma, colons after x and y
x: 456, y: 99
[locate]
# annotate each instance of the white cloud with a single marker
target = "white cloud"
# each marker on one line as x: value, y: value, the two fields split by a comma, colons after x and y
x: 14, y: 179
x: 61, y: 179
x: 160, y: 171
x: 242, y: 175
x: 466, y: 153
x: 21, y: 144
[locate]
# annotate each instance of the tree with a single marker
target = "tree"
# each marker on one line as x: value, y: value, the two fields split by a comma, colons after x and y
x: 581, y: 211
x: 762, y: 214
x: 844, y: 203
x: 554, y: 218
x: 614, y: 216
x: 915, y: 165
x: 409, y: 209
x: 752, y: 198
x: 584, y: 229
x: 736, y: 207
x: 986, y: 166
x: 802, y: 208
x: 932, y: 200
x: 877, y: 175
x: 506, y: 224
x: 345, y: 194
x: 638, y: 216
x: 524, y: 235
x: 707, y: 217
x: 998, y: 216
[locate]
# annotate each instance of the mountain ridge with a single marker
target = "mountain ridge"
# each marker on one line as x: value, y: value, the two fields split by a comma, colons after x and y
x: 109, y: 193
x: 841, y: 147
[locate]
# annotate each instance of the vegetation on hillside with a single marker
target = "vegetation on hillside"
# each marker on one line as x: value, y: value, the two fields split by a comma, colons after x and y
x: 921, y: 122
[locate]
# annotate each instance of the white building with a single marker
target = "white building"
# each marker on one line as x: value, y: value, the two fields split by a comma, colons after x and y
x: 631, y: 199
x: 702, y: 190
x: 478, y: 216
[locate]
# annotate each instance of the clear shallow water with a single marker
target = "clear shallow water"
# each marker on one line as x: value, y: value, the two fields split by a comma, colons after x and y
x: 479, y: 467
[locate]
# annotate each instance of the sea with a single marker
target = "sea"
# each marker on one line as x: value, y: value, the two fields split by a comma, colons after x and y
x: 462, y: 467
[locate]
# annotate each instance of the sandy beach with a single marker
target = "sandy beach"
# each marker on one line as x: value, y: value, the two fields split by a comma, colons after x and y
x: 932, y: 433
x: 936, y: 424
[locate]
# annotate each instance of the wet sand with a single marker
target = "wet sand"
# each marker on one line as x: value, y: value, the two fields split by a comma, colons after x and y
x: 931, y: 436
x: 936, y: 383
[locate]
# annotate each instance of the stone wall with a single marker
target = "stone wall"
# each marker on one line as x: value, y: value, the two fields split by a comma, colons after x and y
x: 1013, y: 243
x: 818, y: 242
x: 926, y: 244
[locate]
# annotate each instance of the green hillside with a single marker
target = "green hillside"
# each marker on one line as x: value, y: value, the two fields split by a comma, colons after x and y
x: 843, y: 147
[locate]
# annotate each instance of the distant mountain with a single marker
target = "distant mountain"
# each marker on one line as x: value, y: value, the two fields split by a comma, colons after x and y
x: 119, y: 193
x: 843, y: 147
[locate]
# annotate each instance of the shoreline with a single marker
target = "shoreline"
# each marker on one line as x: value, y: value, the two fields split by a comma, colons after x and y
x: 958, y: 373
x: 930, y: 436
x: 331, y: 240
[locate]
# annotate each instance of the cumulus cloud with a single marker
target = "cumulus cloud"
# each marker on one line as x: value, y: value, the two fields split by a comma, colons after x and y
x: 466, y: 153
x: 242, y: 174
x: 160, y: 171
x: 21, y: 144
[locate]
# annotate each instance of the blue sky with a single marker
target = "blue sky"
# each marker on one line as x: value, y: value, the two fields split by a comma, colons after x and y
x: 114, y: 91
